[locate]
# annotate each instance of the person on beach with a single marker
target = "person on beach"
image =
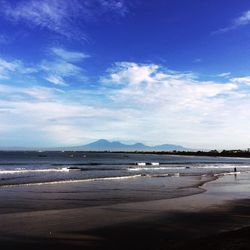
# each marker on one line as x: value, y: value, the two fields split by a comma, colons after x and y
x: 235, y: 169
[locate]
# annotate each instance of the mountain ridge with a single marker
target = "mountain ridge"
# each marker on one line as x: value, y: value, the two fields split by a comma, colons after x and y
x: 105, y: 145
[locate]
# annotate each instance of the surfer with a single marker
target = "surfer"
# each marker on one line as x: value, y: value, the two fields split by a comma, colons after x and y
x: 235, y: 169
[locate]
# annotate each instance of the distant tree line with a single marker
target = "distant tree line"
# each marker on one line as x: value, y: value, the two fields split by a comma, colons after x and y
x: 223, y: 153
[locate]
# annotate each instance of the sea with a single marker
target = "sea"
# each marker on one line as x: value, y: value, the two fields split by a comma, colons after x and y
x: 38, y: 180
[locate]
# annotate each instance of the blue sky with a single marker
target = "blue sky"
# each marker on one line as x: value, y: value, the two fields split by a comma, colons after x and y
x: 159, y: 71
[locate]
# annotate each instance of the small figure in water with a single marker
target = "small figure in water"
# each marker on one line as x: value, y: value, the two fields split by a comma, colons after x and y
x: 235, y: 173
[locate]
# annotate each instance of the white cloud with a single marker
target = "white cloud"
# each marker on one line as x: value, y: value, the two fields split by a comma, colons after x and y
x: 62, y: 66
x: 242, y: 20
x: 60, y: 16
x: 242, y: 80
x: 125, y: 72
x: 58, y: 71
x: 177, y: 107
x: 8, y: 67
x: 152, y: 84
x: 119, y: 6
x: 57, y: 80
x: 37, y: 92
x: 225, y: 74
x: 54, y: 15
x: 70, y: 56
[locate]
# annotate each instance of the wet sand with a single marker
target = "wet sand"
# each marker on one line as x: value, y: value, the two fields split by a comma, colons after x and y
x: 215, y: 219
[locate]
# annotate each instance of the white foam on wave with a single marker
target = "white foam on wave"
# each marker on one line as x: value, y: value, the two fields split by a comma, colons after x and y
x: 73, y: 181
x: 165, y: 175
x: 24, y: 171
x: 155, y: 163
x: 141, y: 163
x: 221, y: 166
x: 154, y: 168
x: 227, y: 173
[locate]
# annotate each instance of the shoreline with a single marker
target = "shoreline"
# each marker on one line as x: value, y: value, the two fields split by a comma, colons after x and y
x: 81, y: 190
x: 98, y: 227
x: 207, y: 153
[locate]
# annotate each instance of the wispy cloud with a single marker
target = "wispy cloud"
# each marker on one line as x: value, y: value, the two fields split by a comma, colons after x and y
x: 117, y: 6
x: 60, y: 16
x: 46, y: 14
x: 242, y: 80
x: 242, y: 20
x: 55, y: 79
x: 57, y: 71
x: 60, y: 68
x: 8, y: 67
x: 63, y: 66
x: 70, y: 56
x: 225, y: 74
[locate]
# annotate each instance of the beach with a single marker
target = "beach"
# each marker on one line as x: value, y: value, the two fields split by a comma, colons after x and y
x: 217, y: 215
x: 196, y: 203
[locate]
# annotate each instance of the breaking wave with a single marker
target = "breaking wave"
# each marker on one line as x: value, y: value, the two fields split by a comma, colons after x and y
x: 73, y: 181
x: 24, y: 171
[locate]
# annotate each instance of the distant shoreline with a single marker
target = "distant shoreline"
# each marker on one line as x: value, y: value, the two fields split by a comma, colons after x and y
x: 212, y: 153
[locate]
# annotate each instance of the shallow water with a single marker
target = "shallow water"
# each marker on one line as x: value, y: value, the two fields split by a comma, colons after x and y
x: 39, y: 167
x: 41, y: 180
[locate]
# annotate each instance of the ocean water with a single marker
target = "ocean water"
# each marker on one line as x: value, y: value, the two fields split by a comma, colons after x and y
x: 42, y: 167
x: 57, y: 180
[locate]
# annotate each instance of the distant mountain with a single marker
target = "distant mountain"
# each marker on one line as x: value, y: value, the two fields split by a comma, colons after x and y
x: 105, y: 145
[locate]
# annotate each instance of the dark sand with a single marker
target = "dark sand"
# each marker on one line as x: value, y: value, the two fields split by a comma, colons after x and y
x: 216, y: 219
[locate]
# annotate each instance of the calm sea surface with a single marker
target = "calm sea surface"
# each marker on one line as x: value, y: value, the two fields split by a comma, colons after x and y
x: 56, y: 180
x: 38, y: 167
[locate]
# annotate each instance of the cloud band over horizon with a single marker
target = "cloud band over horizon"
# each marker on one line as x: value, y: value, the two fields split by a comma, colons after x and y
x: 132, y: 101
